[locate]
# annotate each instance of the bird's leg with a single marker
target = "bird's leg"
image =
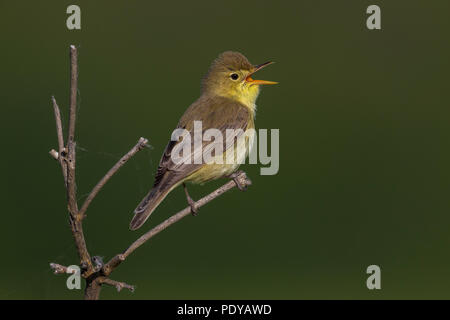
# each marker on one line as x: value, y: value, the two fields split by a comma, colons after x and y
x: 234, y: 177
x: 191, y: 202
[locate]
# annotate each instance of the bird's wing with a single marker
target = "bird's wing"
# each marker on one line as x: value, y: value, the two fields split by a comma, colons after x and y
x: 215, y: 113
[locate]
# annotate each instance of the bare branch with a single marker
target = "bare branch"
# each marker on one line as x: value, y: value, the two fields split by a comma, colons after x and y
x: 68, y: 163
x: 60, y: 135
x: 59, y: 130
x: 139, y: 146
x: 73, y: 92
x: 66, y: 156
x: 114, y: 262
x: 59, y: 269
x: 119, y: 285
x: 75, y: 220
x: 71, y: 185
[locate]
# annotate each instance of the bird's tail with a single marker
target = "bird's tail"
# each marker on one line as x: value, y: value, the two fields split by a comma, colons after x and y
x: 148, y: 205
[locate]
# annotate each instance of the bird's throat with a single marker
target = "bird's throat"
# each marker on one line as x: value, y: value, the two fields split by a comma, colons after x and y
x: 246, y: 96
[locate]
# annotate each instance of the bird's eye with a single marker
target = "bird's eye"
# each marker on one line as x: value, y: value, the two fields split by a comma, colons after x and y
x: 234, y: 76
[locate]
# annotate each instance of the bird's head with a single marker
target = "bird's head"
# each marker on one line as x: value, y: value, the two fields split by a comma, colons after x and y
x: 230, y: 75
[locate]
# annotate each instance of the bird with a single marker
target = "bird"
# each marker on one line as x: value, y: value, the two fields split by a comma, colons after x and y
x: 227, y: 101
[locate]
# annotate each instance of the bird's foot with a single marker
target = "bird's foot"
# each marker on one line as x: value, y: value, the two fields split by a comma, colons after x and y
x: 235, y: 177
x: 194, y: 208
x: 192, y: 204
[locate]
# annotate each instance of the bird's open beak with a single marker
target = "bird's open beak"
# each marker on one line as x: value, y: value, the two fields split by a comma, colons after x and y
x: 257, y: 68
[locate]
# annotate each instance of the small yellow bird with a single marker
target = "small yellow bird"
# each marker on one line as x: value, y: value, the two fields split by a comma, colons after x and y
x: 227, y: 101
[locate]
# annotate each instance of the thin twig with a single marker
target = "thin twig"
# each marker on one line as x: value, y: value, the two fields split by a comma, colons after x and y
x: 59, y: 130
x: 139, y: 146
x: 73, y: 92
x: 59, y: 269
x: 119, y: 285
x: 60, y: 135
x: 118, y: 259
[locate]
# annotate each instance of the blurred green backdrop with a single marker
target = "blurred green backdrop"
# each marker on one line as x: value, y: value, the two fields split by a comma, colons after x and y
x: 364, y: 160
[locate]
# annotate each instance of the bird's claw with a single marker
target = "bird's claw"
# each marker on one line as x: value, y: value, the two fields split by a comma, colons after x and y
x: 192, y: 204
x: 194, y: 208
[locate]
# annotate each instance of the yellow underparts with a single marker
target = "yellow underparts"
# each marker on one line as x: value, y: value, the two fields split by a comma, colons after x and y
x: 214, y: 171
x: 246, y: 94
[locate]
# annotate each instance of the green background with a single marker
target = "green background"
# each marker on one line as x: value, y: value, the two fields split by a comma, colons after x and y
x: 364, y: 161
